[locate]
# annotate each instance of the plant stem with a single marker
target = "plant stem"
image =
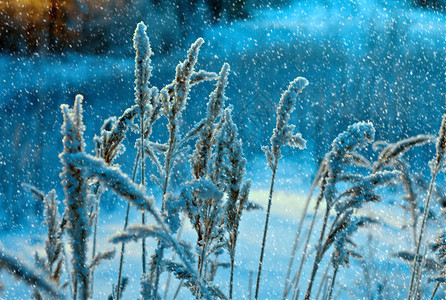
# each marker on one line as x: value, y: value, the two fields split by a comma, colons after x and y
x: 410, y: 197
x: 324, y: 282
x: 169, y: 276
x: 167, y: 169
x: 201, y: 259
x: 419, y: 272
x: 95, y: 235
x: 231, y: 279
x: 265, y: 230
x: 335, y: 272
x: 74, y: 287
x: 318, y: 256
x: 420, y: 237
x: 143, y: 216
x: 304, y: 253
x: 126, y: 222
x: 232, y: 259
x: 251, y: 274
x: 367, y: 278
x: 64, y: 253
x: 310, y: 231
x: 298, y: 231
x: 435, y: 291
x: 177, y: 248
x: 178, y: 290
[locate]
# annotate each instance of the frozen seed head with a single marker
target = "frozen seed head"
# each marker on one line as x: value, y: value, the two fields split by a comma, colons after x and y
x: 299, y: 84
x: 363, y: 191
x: 192, y: 54
x: 439, y: 245
x: 201, y: 76
x: 142, y: 64
x: 382, y: 178
x: 51, y: 212
x: 101, y: 256
x: 185, y: 68
x: 111, y: 177
x: 75, y: 186
x: 73, y: 127
x: 135, y: 232
x: 296, y: 141
x: 356, y: 136
x: 217, y: 97
x: 141, y: 41
x: 113, y: 132
x: 201, y: 155
x: 342, y: 252
x: 183, y: 75
x: 441, y: 144
x: 283, y: 133
x: 78, y: 109
x: 393, y: 151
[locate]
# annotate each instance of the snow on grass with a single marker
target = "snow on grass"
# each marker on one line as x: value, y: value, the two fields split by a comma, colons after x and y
x: 376, y: 244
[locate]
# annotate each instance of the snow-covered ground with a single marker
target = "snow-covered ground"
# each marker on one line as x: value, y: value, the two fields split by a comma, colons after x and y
x: 379, y: 275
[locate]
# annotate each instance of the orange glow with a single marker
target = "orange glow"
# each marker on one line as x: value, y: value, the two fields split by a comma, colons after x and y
x: 53, y: 24
x: 36, y: 11
x: 26, y: 10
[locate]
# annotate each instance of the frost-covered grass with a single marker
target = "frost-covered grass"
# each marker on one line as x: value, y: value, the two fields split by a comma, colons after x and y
x: 200, y: 229
x: 247, y: 255
x: 377, y: 243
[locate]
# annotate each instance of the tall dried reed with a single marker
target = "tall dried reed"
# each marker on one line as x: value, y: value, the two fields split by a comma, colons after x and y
x: 283, y: 135
x: 436, y: 165
x: 439, y: 245
x: 288, y: 282
x: 76, y: 197
x: 356, y: 136
x: 34, y: 279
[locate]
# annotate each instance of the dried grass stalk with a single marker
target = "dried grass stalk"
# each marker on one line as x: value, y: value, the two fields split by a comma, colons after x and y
x: 283, y: 135
x: 28, y: 275
x: 76, y: 196
x: 437, y: 164
x: 392, y: 151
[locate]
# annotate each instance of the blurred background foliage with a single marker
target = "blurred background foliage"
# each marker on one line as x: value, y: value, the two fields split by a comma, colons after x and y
x: 98, y: 26
x: 377, y: 60
x: 95, y: 26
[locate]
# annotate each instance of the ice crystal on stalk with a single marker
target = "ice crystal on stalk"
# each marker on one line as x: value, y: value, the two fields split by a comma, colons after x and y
x: 341, y: 253
x: 172, y: 214
x: 217, y: 99
x: 113, y: 132
x: 113, y: 178
x: 363, y: 191
x: 283, y: 133
x: 356, y: 136
x: 76, y: 197
x: 439, y: 246
x: 142, y: 64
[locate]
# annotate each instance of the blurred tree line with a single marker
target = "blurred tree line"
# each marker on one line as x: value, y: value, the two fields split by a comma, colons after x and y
x: 94, y: 26
x: 433, y: 4
x: 29, y: 26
